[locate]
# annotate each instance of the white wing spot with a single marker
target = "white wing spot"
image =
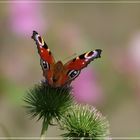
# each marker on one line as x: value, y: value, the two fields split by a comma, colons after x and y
x: 95, y: 53
x: 83, y: 63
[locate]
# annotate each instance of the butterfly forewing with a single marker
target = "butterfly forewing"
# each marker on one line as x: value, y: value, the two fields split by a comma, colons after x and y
x: 43, y: 50
x: 83, y: 60
x: 75, y: 65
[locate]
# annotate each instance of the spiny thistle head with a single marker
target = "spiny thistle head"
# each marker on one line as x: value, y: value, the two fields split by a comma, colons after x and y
x: 47, y: 102
x: 86, y: 123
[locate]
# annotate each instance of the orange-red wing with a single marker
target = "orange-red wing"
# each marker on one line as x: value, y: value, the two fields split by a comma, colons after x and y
x: 43, y: 50
x: 83, y: 60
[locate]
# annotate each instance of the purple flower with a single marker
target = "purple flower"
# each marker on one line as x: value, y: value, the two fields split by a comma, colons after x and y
x: 25, y: 17
x: 86, y: 88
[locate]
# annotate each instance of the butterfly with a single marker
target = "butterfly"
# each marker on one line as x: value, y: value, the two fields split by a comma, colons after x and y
x: 58, y: 74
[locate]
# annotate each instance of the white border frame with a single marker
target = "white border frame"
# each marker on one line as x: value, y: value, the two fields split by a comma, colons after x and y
x: 69, y: 2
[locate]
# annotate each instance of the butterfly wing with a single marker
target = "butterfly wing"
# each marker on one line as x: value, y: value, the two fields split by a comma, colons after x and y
x: 70, y: 70
x: 43, y: 50
x: 74, y: 66
x: 46, y: 59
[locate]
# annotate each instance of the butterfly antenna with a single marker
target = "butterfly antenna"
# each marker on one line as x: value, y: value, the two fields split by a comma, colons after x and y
x: 70, y: 56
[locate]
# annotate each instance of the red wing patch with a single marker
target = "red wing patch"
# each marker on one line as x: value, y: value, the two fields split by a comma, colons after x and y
x: 83, y: 60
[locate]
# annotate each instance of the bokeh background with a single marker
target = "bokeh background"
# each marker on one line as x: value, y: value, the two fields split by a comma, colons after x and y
x: 111, y: 84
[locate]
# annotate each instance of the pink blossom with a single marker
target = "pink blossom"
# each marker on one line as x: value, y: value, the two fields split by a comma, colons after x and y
x: 86, y: 88
x: 25, y: 17
x: 134, y: 50
x: 127, y: 62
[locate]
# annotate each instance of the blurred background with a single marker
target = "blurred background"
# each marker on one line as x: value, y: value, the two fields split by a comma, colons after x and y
x: 111, y: 84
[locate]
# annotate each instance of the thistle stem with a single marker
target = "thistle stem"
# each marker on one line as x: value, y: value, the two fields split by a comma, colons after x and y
x: 42, y: 137
x: 45, y: 125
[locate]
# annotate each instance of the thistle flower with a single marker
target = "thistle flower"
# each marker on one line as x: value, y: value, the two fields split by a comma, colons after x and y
x: 84, y: 122
x: 48, y: 103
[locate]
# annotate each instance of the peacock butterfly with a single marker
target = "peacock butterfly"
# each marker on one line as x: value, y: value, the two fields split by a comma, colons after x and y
x: 58, y: 74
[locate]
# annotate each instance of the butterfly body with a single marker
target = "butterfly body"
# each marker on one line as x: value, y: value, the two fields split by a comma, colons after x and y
x: 58, y: 74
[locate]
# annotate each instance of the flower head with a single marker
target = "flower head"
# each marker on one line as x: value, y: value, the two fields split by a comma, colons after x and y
x: 85, y: 122
x: 47, y: 102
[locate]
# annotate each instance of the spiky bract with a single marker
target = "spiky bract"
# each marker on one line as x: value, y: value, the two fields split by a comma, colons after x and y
x: 47, y: 102
x: 84, y: 123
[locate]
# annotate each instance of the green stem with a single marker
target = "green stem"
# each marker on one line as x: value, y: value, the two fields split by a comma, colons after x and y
x: 42, y: 137
x: 45, y: 125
